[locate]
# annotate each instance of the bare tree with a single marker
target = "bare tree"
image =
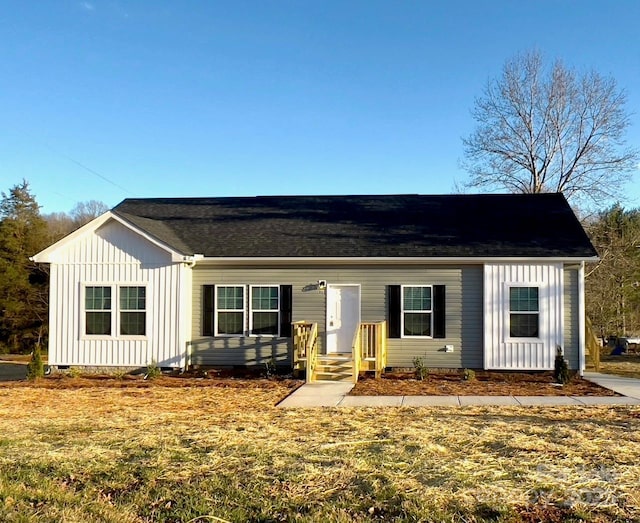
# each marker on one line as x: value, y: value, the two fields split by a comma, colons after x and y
x: 550, y: 130
x: 84, y: 212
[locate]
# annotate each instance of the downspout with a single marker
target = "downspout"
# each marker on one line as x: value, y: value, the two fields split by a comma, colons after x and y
x: 581, y: 319
x: 189, y: 262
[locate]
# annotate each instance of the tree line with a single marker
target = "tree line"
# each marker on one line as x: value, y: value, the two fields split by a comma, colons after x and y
x: 24, y: 285
x: 539, y: 128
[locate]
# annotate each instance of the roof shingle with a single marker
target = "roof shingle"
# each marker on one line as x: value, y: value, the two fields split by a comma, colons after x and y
x: 486, y: 225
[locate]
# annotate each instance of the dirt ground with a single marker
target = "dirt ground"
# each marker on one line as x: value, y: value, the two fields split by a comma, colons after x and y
x: 484, y: 384
x: 398, y: 383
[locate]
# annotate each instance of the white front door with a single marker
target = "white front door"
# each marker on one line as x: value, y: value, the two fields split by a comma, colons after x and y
x: 343, y: 316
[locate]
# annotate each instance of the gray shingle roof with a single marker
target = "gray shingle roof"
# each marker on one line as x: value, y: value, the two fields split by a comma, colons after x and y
x: 489, y: 225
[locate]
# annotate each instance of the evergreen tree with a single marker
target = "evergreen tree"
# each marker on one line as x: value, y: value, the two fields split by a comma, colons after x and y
x: 23, y: 284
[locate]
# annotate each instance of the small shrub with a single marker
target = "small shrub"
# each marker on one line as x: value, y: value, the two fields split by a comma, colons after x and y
x: 561, y: 369
x: 421, y: 369
x: 35, y: 368
x: 74, y: 372
x: 153, y: 371
x: 270, y: 368
x: 468, y: 374
x: 119, y: 374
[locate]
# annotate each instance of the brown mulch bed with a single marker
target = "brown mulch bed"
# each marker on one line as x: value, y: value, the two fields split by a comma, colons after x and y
x: 244, y: 380
x: 484, y: 384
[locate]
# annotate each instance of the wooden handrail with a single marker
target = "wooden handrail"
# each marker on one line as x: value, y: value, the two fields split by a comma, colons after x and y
x: 370, y: 343
x: 356, y: 352
x: 592, y: 344
x: 312, y: 352
x: 381, y: 355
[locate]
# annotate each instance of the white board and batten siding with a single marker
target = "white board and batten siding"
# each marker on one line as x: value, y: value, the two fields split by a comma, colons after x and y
x: 506, y: 353
x: 113, y: 255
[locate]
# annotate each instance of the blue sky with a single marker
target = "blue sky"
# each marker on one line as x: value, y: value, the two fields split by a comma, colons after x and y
x: 102, y: 99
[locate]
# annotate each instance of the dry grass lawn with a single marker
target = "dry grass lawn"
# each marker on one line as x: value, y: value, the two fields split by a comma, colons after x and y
x: 203, y: 454
x: 627, y: 365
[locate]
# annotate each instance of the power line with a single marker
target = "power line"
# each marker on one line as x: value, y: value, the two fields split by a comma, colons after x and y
x: 96, y: 173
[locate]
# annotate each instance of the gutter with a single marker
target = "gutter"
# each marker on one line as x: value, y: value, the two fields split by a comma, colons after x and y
x: 305, y: 260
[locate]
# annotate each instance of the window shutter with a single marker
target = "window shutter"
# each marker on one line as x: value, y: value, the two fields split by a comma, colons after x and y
x: 286, y: 299
x: 208, y: 309
x: 393, y: 297
x: 439, y: 307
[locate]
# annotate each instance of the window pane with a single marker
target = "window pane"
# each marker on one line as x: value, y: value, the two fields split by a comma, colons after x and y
x: 132, y: 298
x: 523, y: 326
x: 98, y: 323
x: 97, y: 298
x: 417, y: 324
x: 265, y: 323
x: 230, y: 323
x: 132, y: 323
x: 230, y: 297
x: 417, y: 298
x: 523, y: 299
x: 264, y: 298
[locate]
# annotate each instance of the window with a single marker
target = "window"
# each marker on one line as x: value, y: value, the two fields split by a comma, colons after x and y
x: 230, y: 309
x: 266, y: 309
x: 97, y: 305
x: 524, y: 312
x: 128, y: 306
x: 132, y: 311
x: 416, y: 311
x: 265, y: 306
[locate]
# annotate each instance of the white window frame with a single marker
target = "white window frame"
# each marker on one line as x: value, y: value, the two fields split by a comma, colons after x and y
x: 84, y: 311
x: 121, y: 310
x: 115, y: 311
x: 252, y: 310
x: 509, y: 312
x: 402, y: 312
x: 216, y: 310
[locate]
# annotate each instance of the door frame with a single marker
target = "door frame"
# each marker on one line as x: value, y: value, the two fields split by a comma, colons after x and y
x: 358, y: 287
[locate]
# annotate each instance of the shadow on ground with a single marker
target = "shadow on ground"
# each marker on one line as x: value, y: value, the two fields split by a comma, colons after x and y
x: 12, y: 371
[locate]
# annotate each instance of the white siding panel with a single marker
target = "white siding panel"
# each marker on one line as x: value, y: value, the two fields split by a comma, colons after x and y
x: 502, y: 352
x: 114, y: 255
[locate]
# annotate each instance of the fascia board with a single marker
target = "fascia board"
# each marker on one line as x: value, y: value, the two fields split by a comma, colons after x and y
x: 385, y: 260
x: 46, y: 255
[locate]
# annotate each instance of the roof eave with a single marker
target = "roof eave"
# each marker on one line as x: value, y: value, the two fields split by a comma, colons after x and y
x: 46, y: 255
x: 415, y: 260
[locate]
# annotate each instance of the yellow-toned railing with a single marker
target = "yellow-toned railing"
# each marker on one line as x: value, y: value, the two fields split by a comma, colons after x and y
x: 381, y: 354
x: 593, y: 346
x: 372, y: 343
x: 356, y: 352
x: 305, y: 346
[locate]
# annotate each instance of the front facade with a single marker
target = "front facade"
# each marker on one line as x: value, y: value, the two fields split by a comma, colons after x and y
x: 219, y: 282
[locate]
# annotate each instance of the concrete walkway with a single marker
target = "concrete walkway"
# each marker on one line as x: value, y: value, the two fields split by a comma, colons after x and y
x: 335, y: 395
x: 629, y: 387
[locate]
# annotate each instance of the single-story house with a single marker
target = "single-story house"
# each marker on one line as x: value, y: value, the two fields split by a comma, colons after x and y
x: 491, y: 281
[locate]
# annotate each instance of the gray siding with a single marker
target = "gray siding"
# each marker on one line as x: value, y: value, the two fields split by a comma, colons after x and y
x: 463, y: 311
x: 571, y: 325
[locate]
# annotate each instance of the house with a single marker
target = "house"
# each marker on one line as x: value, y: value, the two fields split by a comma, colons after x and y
x: 462, y: 281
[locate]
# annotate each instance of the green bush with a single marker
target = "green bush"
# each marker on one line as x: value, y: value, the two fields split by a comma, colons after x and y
x: 561, y: 369
x: 153, y: 371
x: 35, y: 368
x: 421, y: 369
x: 468, y: 374
x: 270, y: 368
